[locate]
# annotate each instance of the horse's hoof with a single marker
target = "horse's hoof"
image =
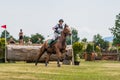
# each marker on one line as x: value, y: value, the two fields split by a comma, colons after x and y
x: 59, y: 65
x: 35, y: 64
x: 45, y: 65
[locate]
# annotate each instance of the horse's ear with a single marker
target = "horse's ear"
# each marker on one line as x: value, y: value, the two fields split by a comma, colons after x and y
x: 66, y: 25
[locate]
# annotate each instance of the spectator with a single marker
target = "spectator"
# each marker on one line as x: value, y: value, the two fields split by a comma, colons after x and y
x: 21, y: 42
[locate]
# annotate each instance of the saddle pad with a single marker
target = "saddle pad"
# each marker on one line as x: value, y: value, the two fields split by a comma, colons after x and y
x: 50, y: 40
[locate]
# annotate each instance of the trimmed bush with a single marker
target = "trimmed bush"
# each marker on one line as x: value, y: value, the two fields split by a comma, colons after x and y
x: 77, y: 49
x: 2, y: 49
x: 89, y: 49
x: 88, y: 53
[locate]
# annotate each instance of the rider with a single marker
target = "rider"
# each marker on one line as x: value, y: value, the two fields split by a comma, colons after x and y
x: 57, y: 30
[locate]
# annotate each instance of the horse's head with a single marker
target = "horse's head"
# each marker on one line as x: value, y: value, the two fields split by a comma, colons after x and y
x: 67, y: 30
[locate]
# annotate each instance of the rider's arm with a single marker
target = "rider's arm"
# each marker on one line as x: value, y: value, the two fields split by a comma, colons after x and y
x: 55, y: 27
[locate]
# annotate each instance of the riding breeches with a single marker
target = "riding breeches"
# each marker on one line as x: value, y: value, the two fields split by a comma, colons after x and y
x: 56, y: 35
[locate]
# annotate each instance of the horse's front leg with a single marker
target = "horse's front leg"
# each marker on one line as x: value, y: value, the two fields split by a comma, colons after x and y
x: 58, y: 63
x: 47, y: 59
x: 59, y: 57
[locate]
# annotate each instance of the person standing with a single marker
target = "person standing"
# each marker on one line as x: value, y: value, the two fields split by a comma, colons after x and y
x: 21, y: 42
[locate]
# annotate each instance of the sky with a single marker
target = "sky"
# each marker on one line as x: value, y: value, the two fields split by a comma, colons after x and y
x: 89, y: 17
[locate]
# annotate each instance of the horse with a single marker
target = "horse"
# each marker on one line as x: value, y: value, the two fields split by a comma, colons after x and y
x: 57, y: 48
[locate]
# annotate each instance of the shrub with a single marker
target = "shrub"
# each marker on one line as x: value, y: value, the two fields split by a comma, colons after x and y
x: 113, y: 50
x: 2, y: 48
x: 77, y: 49
x: 98, y: 51
x: 77, y: 58
x: 89, y: 49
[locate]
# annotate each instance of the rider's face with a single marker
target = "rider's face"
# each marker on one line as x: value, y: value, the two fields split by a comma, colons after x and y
x: 61, y: 22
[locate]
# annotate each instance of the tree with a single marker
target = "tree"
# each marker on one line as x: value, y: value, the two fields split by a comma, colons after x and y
x: 84, y: 40
x: 75, y: 37
x: 98, y: 41
x: 105, y: 45
x: 34, y: 37
x: 116, y: 30
x: 26, y: 38
x: 7, y: 34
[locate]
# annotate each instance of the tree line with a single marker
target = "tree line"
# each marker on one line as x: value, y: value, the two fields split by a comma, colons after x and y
x: 97, y: 39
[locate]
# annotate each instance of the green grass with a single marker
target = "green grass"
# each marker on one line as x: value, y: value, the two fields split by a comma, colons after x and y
x: 98, y: 70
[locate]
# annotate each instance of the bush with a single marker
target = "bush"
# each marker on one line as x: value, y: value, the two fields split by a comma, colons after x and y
x: 77, y: 49
x: 2, y: 48
x: 113, y: 50
x: 89, y: 49
x: 77, y: 58
x: 98, y: 51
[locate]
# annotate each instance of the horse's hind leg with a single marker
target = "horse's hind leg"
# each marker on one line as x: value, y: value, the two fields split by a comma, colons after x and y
x: 47, y: 59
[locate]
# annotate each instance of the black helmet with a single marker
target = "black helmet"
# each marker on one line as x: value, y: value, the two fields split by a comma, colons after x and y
x: 20, y: 29
x: 61, y: 20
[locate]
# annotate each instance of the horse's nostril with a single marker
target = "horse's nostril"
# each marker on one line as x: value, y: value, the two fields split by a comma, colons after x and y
x: 70, y: 34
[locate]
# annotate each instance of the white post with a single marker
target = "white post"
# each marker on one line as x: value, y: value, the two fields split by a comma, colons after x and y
x: 5, y: 45
x: 72, y: 49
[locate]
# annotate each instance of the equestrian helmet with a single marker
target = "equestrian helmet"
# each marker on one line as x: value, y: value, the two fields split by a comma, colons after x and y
x: 61, y: 20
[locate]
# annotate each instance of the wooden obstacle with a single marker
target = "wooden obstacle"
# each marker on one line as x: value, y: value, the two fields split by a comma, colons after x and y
x: 109, y: 56
x: 29, y: 53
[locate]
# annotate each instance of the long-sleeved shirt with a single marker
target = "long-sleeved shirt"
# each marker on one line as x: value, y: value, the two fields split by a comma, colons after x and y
x: 58, y: 28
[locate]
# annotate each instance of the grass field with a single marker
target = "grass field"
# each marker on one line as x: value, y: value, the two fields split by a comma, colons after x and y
x: 98, y: 70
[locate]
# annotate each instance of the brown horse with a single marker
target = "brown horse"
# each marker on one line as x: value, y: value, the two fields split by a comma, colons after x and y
x: 57, y: 48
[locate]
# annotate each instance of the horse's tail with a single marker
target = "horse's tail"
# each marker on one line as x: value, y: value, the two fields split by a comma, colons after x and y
x: 42, y: 50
